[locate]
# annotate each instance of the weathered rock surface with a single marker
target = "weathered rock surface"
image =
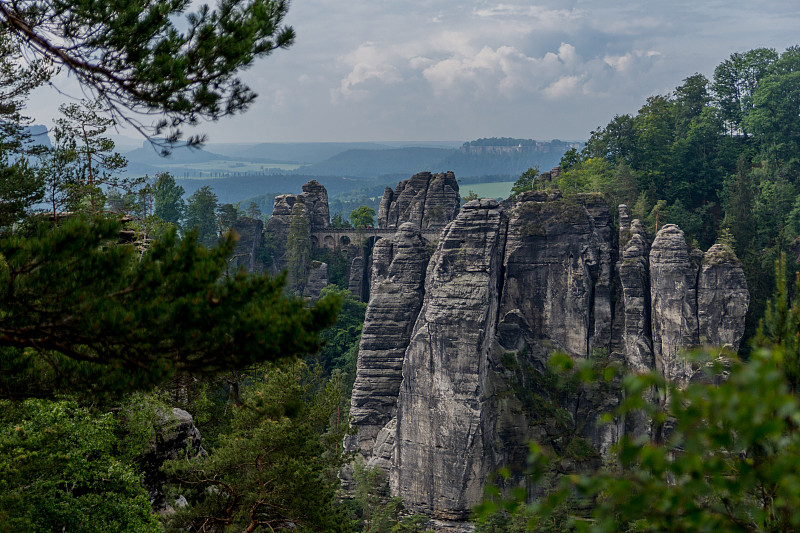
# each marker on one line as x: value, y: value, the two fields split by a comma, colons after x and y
x: 315, y: 200
x: 443, y: 441
x: 426, y: 200
x: 558, y: 269
x: 634, y: 277
x: 673, y: 296
x: 176, y: 437
x: 449, y: 382
x: 357, y: 279
x: 317, y: 279
x: 722, y: 298
x: 398, y: 276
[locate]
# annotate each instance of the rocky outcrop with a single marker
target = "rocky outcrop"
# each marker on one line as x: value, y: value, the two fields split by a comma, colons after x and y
x: 398, y: 275
x: 673, y: 296
x: 509, y: 285
x: 425, y: 200
x: 722, y: 298
x: 443, y: 439
x: 634, y: 277
x: 176, y: 437
x: 315, y: 200
x: 317, y: 279
x: 558, y: 269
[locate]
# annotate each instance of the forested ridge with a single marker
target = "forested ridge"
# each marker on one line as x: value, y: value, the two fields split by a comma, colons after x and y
x: 119, y: 304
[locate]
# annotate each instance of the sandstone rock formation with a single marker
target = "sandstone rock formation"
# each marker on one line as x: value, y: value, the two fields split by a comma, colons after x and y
x: 176, y: 437
x: 507, y: 286
x: 315, y: 200
x: 399, y: 266
x: 722, y: 298
x: 442, y: 452
x: 317, y: 279
x: 426, y: 200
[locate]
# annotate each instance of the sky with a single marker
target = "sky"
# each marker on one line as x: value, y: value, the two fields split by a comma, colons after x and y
x: 427, y: 70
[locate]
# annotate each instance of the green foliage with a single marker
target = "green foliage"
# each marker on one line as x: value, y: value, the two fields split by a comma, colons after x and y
x: 375, y: 511
x: 95, y: 163
x: 338, y: 221
x: 63, y: 470
x: 341, y: 339
x: 471, y: 195
x: 168, y: 201
x: 276, y: 468
x: 117, y: 324
x: 134, y: 57
x: 525, y: 182
x: 362, y: 217
x: 201, y: 216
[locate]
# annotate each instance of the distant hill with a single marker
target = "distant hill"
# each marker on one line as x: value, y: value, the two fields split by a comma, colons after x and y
x: 507, y: 157
x: 371, y: 163
x: 299, y: 153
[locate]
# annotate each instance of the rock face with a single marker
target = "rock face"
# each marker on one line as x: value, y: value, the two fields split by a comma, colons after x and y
x: 315, y: 200
x: 673, y: 293
x: 425, y: 200
x: 444, y: 405
x: 443, y: 440
x: 557, y: 276
x: 722, y: 298
x: 398, y: 274
x: 176, y: 437
x: 317, y: 279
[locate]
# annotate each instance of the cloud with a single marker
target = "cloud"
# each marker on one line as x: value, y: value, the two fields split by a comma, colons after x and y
x: 367, y: 62
x: 562, y: 87
x: 625, y: 63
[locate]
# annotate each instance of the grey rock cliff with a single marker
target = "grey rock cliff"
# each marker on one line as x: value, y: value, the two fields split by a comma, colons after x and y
x: 398, y: 276
x: 443, y: 405
x: 249, y: 235
x: 315, y: 200
x: 443, y: 434
x: 558, y: 269
x: 317, y: 279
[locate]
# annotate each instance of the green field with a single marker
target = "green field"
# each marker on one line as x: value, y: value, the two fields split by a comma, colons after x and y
x: 500, y: 189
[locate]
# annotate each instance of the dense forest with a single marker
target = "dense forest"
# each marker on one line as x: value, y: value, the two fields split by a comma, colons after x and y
x: 119, y: 312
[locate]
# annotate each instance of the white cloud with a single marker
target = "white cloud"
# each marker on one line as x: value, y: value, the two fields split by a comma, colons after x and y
x: 367, y: 62
x: 624, y: 63
x: 562, y: 87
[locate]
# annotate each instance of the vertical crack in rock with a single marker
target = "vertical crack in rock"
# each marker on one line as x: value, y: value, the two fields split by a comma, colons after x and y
x: 558, y: 267
x: 442, y: 452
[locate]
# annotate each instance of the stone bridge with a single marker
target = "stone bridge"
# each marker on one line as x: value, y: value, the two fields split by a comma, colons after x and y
x: 335, y: 238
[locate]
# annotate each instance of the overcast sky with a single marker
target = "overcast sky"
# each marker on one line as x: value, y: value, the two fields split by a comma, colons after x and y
x: 383, y: 70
